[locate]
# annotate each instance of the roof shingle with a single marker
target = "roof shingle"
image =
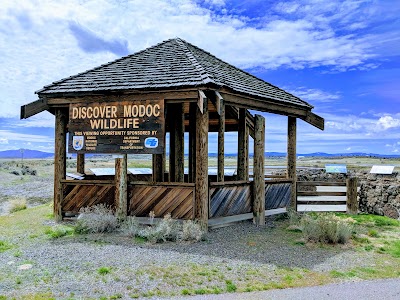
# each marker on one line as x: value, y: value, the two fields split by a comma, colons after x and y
x: 171, y: 64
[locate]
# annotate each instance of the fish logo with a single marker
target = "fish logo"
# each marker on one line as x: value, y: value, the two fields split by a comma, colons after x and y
x: 151, y: 142
x: 77, y: 142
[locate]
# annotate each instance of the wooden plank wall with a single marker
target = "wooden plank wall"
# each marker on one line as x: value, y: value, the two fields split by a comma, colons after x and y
x: 277, y: 194
x: 178, y: 200
x: 77, y: 195
x: 230, y: 198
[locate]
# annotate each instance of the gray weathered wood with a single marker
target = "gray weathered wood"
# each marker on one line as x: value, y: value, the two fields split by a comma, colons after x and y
x: 201, y: 179
x: 352, y: 201
x: 320, y: 183
x: 80, y: 163
x: 121, y: 187
x: 158, y: 167
x: 221, y: 140
x: 258, y: 169
x: 60, y: 145
x: 243, y: 147
x: 192, y: 141
x: 291, y: 157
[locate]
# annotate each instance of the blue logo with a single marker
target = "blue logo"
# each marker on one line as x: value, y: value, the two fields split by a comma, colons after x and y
x: 151, y: 142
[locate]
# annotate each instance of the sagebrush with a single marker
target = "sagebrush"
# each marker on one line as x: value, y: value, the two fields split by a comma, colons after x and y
x: 326, y: 228
x: 96, y: 219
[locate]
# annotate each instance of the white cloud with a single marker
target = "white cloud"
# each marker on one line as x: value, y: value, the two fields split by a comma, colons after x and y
x: 37, y: 45
x: 314, y: 95
x: 387, y: 122
x: 3, y: 141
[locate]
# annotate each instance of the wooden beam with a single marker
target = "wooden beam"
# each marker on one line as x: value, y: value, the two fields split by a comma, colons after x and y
x: 258, y: 169
x: 170, y: 96
x: 243, y: 147
x: 351, y: 191
x: 176, y: 144
x: 121, y: 187
x: 275, y: 106
x: 33, y: 108
x: 80, y: 163
x: 158, y: 167
x: 221, y: 142
x: 192, y: 141
x: 291, y: 158
x: 201, y: 178
x: 59, y: 160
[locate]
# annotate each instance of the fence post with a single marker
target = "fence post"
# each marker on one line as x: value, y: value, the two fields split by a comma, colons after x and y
x: 351, y: 193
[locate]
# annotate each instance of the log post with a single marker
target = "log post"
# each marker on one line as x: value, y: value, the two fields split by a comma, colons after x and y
x: 176, y: 145
x: 192, y: 141
x: 121, y: 187
x: 158, y: 167
x: 291, y: 159
x: 80, y: 163
x: 258, y: 169
x: 243, y: 147
x: 351, y: 193
x: 60, y: 150
x: 201, y: 177
x: 221, y: 142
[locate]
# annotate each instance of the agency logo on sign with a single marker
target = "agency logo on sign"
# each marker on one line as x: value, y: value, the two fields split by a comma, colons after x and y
x: 77, y: 142
x: 151, y: 142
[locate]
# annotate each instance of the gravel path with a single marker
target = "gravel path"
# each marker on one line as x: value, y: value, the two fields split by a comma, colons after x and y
x: 70, y: 267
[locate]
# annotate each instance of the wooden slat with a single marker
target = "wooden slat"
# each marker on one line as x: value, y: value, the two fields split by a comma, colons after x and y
x: 321, y: 208
x: 176, y: 200
x: 230, y: 200
x: 78, y: 196
x: 320, y: 183
x: 277, y: 195
x: 88, y: 182
x: 312, y: 193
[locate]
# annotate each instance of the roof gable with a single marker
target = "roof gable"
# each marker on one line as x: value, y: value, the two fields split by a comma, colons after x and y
x: 174, y: 63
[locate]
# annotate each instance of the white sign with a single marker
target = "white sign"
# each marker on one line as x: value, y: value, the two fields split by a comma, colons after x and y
x: 386, y: 170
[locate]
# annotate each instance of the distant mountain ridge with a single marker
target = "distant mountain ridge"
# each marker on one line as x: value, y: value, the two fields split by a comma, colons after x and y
x: 27, y: 153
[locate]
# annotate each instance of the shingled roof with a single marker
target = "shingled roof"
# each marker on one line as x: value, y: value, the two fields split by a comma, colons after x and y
x: 174, y: 63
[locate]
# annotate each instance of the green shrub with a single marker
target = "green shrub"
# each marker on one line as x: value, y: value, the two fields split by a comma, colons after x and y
x: 103, y: 270
x: 59, y: 231
x: 96, y: 219
x: 17, y: 205
x: 4, y: 246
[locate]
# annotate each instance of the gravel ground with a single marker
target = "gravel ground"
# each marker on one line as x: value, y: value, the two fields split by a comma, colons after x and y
x: 69, y: 267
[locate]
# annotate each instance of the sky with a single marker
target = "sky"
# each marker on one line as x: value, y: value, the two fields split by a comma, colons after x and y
x: 342, y: 57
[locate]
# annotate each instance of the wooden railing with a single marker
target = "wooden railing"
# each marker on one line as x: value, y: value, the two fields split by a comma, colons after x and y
x: 84, y: 193
x: 328, y: 196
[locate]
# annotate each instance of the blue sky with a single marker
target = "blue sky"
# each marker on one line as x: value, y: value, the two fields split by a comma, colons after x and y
x: 343, y: 57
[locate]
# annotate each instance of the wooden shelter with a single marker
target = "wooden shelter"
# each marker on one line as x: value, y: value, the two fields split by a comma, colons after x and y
x: 196, y: 93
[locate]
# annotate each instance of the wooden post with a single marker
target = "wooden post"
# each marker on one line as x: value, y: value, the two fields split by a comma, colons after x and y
x: 59, y: 160
x: 176, y: 145
x: 258, y: 169
x: 80, y: 163
x: 291, y: 159
x: 201, y: 178
x: 243, y: 147
x: 158, y: 167
x: 351, y: 193
x: 221, y: 142
x: 121, y: 187
x: 192, y: 141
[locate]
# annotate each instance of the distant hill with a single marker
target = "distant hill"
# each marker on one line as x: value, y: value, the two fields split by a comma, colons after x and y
x: 27, y: 154
x: 39, y: 154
